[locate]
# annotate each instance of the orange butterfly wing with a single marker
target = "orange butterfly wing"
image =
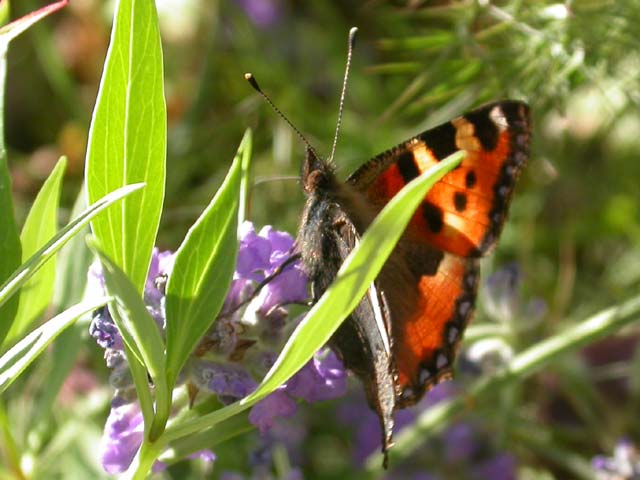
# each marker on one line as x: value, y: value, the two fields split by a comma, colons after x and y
x: 462, y: 216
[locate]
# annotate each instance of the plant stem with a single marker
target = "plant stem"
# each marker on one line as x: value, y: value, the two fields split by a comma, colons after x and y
x: 522, y: 366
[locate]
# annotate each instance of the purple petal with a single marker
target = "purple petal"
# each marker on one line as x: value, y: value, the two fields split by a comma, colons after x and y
x: 122, y: 437
x: 161, y: 264
x: 206, y: 455
x: 290, y: 286
x: 253, y: 255
x: 166, y: 260
x: 277, y: 404
x: 95, y: 279
x: 281, y: 242
x: 222, y: 379
x: 460, y: 443
x: 500, y: 467
x: 104, y: 330
x: 322, y: 378
x: 240, y: 290
x: 263, y: 13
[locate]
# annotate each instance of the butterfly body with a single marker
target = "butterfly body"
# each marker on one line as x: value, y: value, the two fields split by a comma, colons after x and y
x: 402, y: 338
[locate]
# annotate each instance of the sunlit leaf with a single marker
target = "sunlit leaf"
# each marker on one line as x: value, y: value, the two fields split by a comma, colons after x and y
x: 356, y: 274
x: 127, y: 139
x: 203, y: 268
x: 39, y: 227
x: 21, y: 355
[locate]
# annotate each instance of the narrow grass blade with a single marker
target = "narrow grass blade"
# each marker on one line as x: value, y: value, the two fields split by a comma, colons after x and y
x: 20, y: 356
x: 31, y: 266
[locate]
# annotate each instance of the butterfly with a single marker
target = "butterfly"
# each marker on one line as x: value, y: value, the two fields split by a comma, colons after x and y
x: 402, y: 338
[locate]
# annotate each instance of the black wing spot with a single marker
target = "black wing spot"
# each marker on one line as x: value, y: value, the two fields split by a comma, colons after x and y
x: 485, y: 128
x: 433, y: 215
x: 440, y: 140
x: 470, y: 179
x: 460, y: 201
x: 407, y: 166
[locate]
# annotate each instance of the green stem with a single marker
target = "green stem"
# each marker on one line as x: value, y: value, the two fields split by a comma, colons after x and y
x: 9, y: 445
x: 522, y: 366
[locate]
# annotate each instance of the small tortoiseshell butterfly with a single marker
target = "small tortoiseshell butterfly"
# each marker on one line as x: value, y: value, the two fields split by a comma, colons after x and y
x: 402, y: 338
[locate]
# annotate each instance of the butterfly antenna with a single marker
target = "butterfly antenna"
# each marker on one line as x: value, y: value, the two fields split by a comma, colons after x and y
x: 352, y: 42
x: 254, y: 83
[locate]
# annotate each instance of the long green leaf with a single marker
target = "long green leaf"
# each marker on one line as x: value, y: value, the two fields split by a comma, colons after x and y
x: 127, y: 139
x: 139, y: 330
x: 15, y: 28
x: 41, y: 224
x: 73, y: 263
x: 10, y: 248
x: 71, y: 278
x: 353, y: 279
x: 31, y: 266
x: 203, y: 268
x: 21, y: 355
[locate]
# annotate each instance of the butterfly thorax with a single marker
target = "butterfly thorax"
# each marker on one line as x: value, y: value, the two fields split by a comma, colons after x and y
x: 333, y: 211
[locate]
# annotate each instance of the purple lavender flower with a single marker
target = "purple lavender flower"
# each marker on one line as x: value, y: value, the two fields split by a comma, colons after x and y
x: 122, y: 437
x: 277, y: 404
x: 104, y: 330
x: 263, y: 13
x: 231, y: 357
x: 500, y: 467
x: 229, y: 382
x: 323, y: 378
x: 102, y: 327
x: 623, y: 465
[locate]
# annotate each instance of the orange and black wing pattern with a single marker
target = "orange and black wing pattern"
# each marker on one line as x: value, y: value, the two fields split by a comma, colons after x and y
x: 460, y: 218
x: 464, y: 212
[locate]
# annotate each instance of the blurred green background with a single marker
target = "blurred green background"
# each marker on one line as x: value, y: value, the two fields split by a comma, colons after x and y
x: 574, y: 228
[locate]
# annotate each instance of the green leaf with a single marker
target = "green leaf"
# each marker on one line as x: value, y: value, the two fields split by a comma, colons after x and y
x: 354, y: 278
x: 203, y: 268
x: 20, y: 356
x: 245, y: 182
x: 31, y: 266
x: 10, y: 249
x: 15, y: 28
x: 139, y: 330
x: 39, y: 227
x: 73, y: 263
x: 127, y: 138
x: 4, y: 12
x: 71, y: 279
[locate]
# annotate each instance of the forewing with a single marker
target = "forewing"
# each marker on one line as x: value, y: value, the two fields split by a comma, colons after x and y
x: 464, y: 212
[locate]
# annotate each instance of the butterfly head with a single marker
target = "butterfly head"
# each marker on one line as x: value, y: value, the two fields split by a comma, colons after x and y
x: 317, y: 174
